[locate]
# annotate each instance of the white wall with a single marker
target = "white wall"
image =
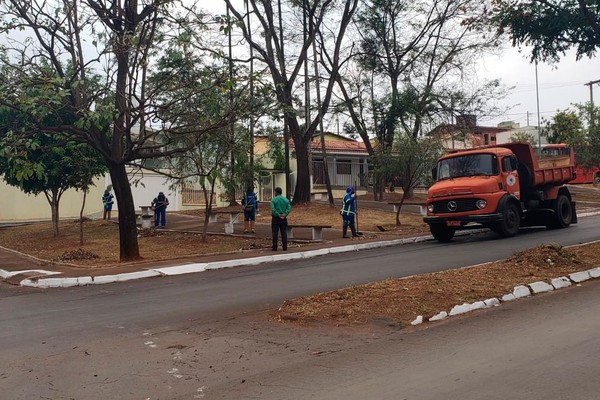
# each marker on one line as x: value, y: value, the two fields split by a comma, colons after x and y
x: 18, y: 206
x: 505, y: 137
x: 145, y: 188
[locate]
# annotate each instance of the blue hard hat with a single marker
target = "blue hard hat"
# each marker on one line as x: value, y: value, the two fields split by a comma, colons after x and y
x: 349, y: 189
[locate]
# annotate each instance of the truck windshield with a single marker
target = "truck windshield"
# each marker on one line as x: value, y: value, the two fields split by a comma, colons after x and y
x: 467, y: 165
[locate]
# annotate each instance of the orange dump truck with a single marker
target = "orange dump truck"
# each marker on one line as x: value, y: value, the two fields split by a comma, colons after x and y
x: 501, y: 187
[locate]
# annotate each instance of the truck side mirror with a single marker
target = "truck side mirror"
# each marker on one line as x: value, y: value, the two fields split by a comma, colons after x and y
x: 434, y: 173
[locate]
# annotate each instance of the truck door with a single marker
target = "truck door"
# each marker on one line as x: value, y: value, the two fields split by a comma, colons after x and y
x: 510, y: 177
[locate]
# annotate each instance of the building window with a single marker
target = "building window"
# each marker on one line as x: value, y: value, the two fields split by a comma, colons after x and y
x: 343, y: 167
x: 486, y: 139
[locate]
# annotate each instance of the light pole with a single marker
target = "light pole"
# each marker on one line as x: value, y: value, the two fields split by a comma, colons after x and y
x: 537, y: 94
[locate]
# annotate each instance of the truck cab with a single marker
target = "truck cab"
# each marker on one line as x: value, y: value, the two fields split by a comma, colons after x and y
x: 498, y: 187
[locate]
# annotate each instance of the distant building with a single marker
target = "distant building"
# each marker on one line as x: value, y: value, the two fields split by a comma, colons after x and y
x: 515, y: 129
x: 347, y: 162
x: 465, y: 133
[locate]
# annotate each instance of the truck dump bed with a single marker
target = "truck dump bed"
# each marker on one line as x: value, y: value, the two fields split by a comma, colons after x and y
x: 550, y: 170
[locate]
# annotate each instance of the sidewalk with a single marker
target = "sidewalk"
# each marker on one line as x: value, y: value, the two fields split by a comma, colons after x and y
x: 24, y: 270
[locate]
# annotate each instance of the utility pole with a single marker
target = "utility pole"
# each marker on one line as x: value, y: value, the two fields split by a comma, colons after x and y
x: 537, y: 93
x: 591, y: 85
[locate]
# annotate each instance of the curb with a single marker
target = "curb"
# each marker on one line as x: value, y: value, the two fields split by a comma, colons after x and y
x: 43, y: 282
x: 518, y: 292
x: 53, y: 282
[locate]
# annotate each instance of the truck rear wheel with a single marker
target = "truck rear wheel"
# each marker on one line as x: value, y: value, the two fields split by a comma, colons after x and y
x: 563, y: 212
x: 509, y: 225
x: 442, y: 232
x: 597, y: 178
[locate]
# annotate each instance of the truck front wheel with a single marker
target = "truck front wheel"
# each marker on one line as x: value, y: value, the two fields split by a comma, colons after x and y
x: 442, y: 232
x: 563, y: 212
x: 509, y: 225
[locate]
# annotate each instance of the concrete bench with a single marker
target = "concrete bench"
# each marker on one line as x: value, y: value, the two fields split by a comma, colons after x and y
x: 147, y: 210
x: 233, y: 218
x: 420, y: 206
x: 316, y: 230
x: 320, y: 196
x: 145, y: 221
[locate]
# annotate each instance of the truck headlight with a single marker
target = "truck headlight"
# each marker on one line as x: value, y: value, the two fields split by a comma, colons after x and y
x: 481, y: 204
x: 430, y: 208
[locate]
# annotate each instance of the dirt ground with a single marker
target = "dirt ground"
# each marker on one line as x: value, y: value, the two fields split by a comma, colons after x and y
x: 400, y: 301
x: 101, y: 238
x: 394, y: 301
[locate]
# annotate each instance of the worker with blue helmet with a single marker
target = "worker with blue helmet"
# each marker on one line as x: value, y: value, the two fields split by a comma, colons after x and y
x: 348, y: 211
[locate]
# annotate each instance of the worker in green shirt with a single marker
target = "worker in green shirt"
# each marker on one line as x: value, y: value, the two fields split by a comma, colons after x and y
x: 280, y: 208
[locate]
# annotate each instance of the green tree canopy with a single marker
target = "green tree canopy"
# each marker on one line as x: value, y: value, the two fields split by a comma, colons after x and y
x: 565, y: 127
x: 551, y: 27
x: 46, y: 163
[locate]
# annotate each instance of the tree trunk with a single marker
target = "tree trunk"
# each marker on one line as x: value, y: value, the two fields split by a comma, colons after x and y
x: 128, y: 242
x: 398, y: 223
x: 81, y: 218
x: 302, y: 190
x: 54, y: 201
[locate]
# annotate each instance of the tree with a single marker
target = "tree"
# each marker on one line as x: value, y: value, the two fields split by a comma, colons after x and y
x: 206, y: 163
x: 565, y: 127
x: 576, y: 129
x: 551, y: 27
x: 45, y: 164
x: 412, y: 57
x: 285, y: 63
x: 121, y: 113
x: 589, y: 155
x: 414, y: 163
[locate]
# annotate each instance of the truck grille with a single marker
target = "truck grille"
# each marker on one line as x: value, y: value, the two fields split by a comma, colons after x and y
x: 454, y: 206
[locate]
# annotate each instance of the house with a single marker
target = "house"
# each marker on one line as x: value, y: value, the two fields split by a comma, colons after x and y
x: 346, y: 159
x: 346, y: 163
x: 465, y: 133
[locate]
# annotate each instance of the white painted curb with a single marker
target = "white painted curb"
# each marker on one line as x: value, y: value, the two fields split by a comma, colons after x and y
x: 594, y: 273
x: 561, y: 283
x: 540, y: 287
x: 578, y: 277
x: 520, y: 291
x: 182, y: 269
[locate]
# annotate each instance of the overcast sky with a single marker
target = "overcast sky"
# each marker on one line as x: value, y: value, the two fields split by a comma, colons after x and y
x: 559, y: 85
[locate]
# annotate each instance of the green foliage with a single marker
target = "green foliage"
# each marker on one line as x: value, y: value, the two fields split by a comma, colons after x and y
x: 550, y: 27
x: 15, y: 164
x: 565, y: 127
x: 524, y: 137
x: 46, y: 163
x: 587, y: 151
x: 415, y: 159
x: 579, y: 129
x: 276, y: 151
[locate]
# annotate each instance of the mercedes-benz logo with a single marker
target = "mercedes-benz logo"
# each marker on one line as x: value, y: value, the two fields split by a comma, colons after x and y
x: 452, y: 205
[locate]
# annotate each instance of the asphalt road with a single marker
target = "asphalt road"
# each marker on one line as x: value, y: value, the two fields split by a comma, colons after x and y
x: 133, y: 340
x: 543, y: 348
